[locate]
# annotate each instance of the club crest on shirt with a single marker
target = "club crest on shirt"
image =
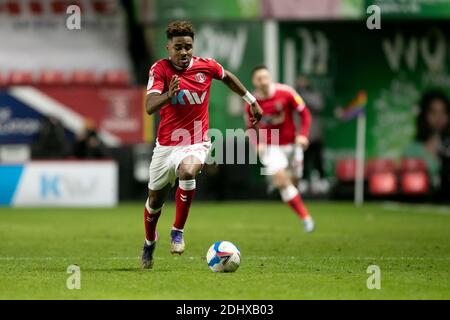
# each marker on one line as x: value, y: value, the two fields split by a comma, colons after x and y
x: 200, y: 77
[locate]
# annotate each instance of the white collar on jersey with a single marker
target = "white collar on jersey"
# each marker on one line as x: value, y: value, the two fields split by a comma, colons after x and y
x: 179, y: 68
x: 272, y: 89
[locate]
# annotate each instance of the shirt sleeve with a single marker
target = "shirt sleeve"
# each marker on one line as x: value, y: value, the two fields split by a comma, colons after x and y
x: 299, y: 105
x: 297, y: 101
x: 155, y: 79
x: 216, y: 69
x: 305, y: 121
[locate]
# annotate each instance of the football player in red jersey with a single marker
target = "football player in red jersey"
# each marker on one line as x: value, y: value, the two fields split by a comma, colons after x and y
x: 282, y: 156
x: 178, y: 88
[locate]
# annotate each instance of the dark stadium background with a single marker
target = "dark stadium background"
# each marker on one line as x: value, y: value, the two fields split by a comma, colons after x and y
x: 328, y: 42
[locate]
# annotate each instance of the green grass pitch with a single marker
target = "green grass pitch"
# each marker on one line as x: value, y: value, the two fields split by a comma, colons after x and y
x: 410, y: 244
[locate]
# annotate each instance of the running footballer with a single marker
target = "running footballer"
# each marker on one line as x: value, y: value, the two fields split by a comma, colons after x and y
x: 178, y: 88
x: 283, y: 158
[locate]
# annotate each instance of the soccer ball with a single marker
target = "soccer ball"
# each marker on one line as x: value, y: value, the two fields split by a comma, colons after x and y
x: 223, y: 256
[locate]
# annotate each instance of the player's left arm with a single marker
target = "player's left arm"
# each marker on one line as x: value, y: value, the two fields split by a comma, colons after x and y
x: 232, y: 82
x: 305, y: 120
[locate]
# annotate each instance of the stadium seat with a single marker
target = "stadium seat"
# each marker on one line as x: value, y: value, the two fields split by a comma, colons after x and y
x: 346, y: 170
x: 412, y: 164
x: 380, y: 165
x: 382, y: 177
x: 83, y: 77
x: 414, y: 183
x: 13, y: 8
x: 116, y: 78
x: 58, y: 6
x: 414, y: 177
x: 383, y: 184
x: 19, y: 77
x: 50, y: 77
x: 36, y: 7
x: 104, y: 7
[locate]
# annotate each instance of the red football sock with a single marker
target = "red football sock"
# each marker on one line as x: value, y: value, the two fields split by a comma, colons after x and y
x: 291, y: 196
x: 297, y: 204
x: 151, y: 217
x: 183, y: 198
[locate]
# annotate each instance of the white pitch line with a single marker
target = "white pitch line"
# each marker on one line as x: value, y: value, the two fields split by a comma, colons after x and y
x: 422, y: 209
x: 248, y: 258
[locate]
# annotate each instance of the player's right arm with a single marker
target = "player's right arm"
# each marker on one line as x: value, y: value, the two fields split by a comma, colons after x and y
x: 157, y: 97
x: 232, y: 82
x: 156, y: 101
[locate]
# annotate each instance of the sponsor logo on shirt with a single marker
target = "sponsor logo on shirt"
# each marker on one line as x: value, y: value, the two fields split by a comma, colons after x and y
x: 189, y: 97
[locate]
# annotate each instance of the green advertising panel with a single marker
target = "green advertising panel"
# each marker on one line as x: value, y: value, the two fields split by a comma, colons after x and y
x: 394, y: 66
x: 207, y: 9
x: 235, y: 45
x: 422, y: 9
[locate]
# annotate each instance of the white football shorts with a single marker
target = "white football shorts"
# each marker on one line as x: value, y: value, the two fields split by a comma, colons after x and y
x: 166, y: 159
x: 278, y: 157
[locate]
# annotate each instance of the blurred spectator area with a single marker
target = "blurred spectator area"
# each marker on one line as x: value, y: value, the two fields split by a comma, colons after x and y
x: 42, y: 60
x: 404, y: 179
x: 57, y: 7
x: 60, y: 77
x: 42, y: 45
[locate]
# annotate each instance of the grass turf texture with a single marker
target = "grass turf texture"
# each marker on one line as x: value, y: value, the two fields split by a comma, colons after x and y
x: 279, y: 261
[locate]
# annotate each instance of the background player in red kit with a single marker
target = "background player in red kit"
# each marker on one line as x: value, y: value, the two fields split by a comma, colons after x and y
x: 282, y: 158
x: 179, y: 88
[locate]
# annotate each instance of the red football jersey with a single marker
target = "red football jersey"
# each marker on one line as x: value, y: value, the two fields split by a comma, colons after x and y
x: 185, y: 119
x: 278, y: 114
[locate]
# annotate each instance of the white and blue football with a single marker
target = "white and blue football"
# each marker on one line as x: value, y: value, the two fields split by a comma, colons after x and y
x: 223, y: 256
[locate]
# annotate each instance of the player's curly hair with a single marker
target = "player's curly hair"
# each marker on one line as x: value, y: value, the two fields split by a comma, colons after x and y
x: 180, y: 29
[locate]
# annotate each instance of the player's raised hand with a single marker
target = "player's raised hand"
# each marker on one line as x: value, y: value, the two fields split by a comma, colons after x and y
x: 256, y: 112
x: 302, y: 141
x: 174, y: 86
